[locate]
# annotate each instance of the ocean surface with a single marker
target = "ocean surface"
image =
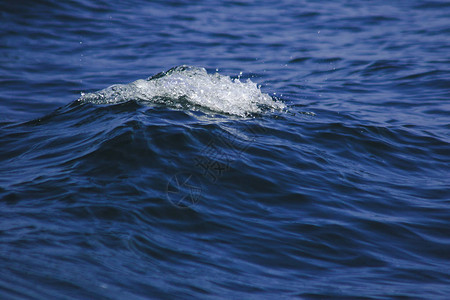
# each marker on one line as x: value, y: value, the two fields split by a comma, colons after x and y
x: 224, y: 149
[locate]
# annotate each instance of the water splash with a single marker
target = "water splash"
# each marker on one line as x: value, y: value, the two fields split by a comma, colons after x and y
x: 190, y: 87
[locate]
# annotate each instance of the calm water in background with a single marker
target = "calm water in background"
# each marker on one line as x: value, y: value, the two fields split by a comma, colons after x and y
x: 343, y: 194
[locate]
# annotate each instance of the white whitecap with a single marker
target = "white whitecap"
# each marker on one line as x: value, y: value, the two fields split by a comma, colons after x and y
x: 187, y: 86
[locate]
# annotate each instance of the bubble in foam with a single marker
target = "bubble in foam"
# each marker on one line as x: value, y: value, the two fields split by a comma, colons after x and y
x: 191, y: 88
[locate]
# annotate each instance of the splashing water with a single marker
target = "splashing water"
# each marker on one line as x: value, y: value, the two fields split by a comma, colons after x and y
x: 190, y: 87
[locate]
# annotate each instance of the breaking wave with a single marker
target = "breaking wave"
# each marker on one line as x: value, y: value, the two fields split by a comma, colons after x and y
x: 190, y: 87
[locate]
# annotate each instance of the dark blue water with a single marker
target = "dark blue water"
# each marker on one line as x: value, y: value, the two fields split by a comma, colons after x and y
x: 297, y: 149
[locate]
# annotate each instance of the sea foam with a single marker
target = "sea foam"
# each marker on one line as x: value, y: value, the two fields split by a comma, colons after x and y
x: 190, y: 88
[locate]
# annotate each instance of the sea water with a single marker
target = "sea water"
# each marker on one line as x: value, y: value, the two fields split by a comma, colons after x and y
x: 224, y: 149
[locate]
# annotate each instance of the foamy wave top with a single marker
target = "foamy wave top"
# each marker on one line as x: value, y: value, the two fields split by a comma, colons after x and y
x: 190, y: 87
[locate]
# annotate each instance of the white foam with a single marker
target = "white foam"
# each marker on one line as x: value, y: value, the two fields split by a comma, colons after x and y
x: 188, y: 87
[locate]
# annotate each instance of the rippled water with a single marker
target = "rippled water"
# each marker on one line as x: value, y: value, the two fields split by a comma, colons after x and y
x: 224, y: 149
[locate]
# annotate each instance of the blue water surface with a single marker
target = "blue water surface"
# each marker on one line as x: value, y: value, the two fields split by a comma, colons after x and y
x: 282, y: 149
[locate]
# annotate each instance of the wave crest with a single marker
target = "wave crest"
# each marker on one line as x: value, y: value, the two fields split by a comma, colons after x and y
x: 189, y: 87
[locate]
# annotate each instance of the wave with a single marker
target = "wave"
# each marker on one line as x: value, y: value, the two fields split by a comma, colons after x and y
x: 189, y: 87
